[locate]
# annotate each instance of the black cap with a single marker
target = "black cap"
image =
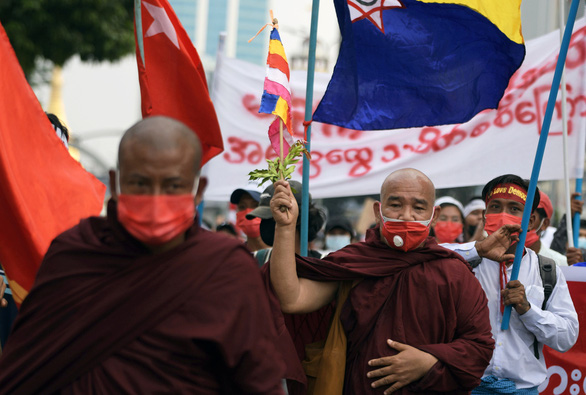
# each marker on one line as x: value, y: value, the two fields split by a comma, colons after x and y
x: 237, y: 194
x: 340, y: 222
x: 263, y: 210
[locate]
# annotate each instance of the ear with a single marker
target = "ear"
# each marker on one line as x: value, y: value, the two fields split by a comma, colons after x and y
x: 113, y: 192
x: 376, y: 208
x: 203, y: 183
x: 436, y: 214
x: 532, y: 221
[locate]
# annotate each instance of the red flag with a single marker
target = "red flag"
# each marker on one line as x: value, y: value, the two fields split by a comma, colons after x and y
x: 172, y: 79
x: 44, y: 191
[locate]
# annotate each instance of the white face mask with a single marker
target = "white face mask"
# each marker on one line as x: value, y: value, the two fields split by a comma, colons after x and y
x: 582, y: 243
x: 336, y: 242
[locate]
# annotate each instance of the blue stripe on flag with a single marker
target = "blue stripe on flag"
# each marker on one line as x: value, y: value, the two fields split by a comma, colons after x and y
x: 268, y: 103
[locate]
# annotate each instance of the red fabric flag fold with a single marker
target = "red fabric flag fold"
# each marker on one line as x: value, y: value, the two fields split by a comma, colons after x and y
x: 172, y: 78
x: 44, y: 191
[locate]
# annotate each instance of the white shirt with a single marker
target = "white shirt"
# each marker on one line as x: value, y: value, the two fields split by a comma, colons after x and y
x: 556, y: 326
x: 560, y: 260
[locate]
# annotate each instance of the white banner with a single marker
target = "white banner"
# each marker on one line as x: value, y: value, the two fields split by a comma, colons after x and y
x: 347, y: 162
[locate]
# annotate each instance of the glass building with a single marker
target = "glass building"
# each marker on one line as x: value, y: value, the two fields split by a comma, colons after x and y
x: 204, y: 20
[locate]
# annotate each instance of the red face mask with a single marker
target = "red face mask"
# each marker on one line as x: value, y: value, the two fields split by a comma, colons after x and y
x: 447, y: 231
x: 404, y: 235
x: 494, y: 222
x: 532, y: 235
x: 250, y: 227
x: 155, y: 220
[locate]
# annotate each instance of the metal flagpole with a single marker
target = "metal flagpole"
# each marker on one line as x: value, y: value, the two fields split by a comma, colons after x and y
x: 567, y: 202
x: 540, y: 151
x: 308, y: 115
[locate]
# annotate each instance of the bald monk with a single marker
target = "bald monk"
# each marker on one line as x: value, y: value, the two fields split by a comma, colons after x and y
x: 416, y: 320
x: 145, y: 301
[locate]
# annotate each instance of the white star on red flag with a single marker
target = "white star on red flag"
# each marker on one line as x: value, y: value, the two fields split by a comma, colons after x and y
x: 372, y: 10
x: 161, y: 24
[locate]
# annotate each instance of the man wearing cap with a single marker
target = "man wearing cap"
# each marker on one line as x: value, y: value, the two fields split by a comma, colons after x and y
x: 415, y: 320
x: 264, y: 215
x: 339, y: 233
x: 517, y: 365
x: 246, y: 199
x: 543, y: 215
x: 473, y: 229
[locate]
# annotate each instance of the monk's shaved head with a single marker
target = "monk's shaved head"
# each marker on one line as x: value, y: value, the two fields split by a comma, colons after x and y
x: 161, y: 134
x: 403, y: 177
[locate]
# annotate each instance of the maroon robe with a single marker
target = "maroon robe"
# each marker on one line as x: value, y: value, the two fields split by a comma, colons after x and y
x: 107, y: 316
x: 428, y: 299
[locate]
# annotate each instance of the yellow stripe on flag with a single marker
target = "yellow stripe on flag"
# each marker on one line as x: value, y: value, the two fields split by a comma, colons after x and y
x: 276, y: 47
x: 282, y: 111
x: 505, y: 14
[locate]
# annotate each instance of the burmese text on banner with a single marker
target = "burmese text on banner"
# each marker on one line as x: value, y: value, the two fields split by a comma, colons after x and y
x: 348, y: 162
x: 566, y: 372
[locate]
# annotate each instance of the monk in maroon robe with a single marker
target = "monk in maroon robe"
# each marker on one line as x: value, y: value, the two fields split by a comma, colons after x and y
x: 416, y: 322
x: 131, y: 304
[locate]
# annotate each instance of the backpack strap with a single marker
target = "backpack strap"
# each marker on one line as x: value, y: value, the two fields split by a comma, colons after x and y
x: 262, y: 256
x: 547, y: 271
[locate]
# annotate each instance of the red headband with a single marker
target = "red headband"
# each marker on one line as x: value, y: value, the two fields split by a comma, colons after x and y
x: 508, y: 191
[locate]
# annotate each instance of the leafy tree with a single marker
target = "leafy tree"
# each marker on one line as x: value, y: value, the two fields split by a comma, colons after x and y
x: 56, y: 30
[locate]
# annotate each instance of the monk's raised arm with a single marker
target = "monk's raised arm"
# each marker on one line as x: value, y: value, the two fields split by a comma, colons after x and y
x: 296, y: 295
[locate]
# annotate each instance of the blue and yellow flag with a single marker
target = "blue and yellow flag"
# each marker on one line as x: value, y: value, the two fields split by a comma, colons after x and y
x: 413, y: 63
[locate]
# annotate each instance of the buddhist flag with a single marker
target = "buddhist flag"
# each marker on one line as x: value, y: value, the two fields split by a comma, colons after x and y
x: 172, y: 78
x: 44, y: 191
x: 276, y: 97
x: 412, y: 63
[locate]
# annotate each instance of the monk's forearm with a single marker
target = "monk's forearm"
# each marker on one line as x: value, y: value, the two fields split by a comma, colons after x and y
x: 283, y: 270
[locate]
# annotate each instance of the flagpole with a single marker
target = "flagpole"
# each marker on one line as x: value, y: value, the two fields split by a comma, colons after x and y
x: 281, y: 157
x: 565, y: 138
x: 576, y: 221
x: 308, y: 115
x: 540, y: 151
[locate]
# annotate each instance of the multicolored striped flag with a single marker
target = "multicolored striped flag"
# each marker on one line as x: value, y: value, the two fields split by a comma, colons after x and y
x: 276, y: 97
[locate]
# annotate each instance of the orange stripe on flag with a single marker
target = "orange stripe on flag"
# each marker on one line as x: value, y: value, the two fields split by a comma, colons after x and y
x: 276, y: 61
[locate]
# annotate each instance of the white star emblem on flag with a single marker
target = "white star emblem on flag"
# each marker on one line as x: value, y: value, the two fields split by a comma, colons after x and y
x: 372, y: 10
x: 161, y: 24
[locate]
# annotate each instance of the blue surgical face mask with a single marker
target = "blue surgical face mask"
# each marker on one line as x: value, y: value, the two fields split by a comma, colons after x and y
x: 336, y: 242
x: 582, y: 243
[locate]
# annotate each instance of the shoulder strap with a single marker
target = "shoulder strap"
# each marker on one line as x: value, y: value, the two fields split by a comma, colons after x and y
x: 547, y: 271
x: 262, y: 256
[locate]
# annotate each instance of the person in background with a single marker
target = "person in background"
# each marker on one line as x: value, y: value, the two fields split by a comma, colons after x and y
x: 560, y: 237
x: 543, y: 215
x: 246, y: 199
x: 267, y: 223
x: 339, y: 233
x: 60, y: 128
x: 450, y: 223
x: 228, y: 229
x: 473, y: 219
